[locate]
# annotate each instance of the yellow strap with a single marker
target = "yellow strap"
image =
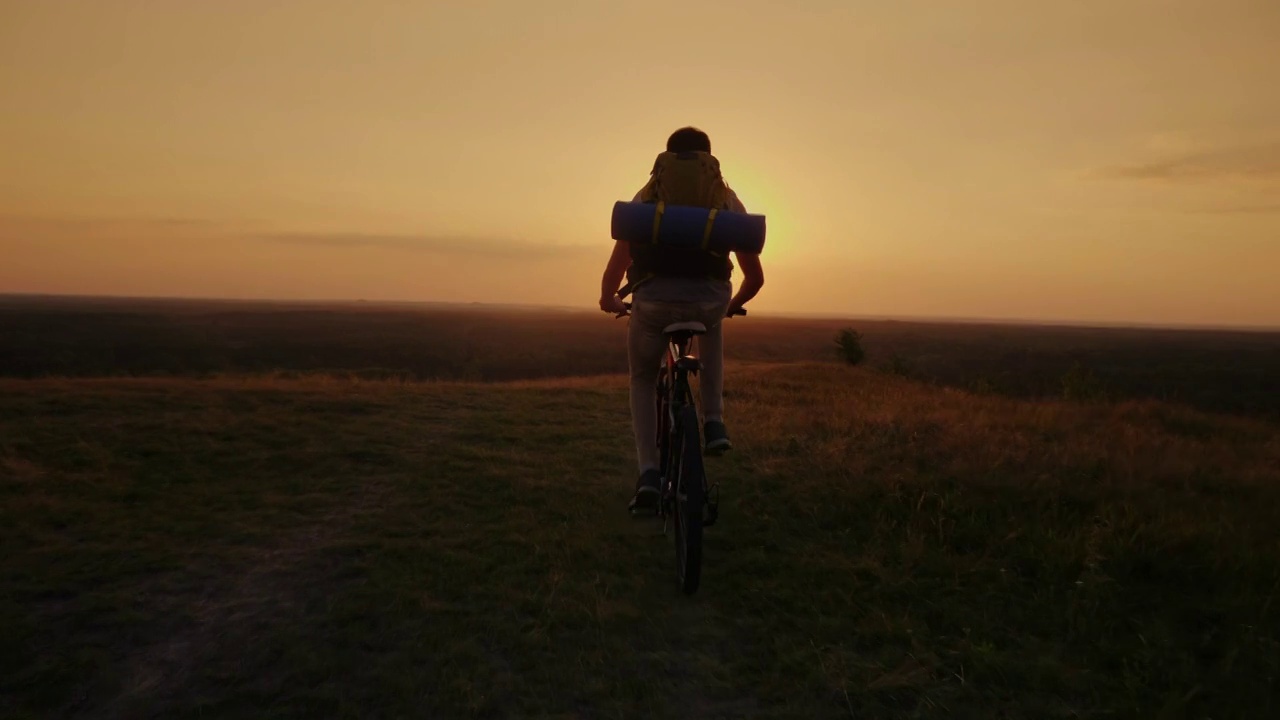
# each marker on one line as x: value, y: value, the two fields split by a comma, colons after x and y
x: 706, y: 233
x: 657, y: 220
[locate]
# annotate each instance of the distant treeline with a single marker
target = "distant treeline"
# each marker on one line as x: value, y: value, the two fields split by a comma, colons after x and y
x: 1228, y: 371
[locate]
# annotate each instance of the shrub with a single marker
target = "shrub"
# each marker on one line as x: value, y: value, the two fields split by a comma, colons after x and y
x: 849, y: 346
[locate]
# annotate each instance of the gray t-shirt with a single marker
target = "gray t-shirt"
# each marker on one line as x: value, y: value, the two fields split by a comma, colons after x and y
x: 685, y: 290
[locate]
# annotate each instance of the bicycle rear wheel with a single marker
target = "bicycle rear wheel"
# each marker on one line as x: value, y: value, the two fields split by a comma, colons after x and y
x: 689, y: 500
x: 664, y: 420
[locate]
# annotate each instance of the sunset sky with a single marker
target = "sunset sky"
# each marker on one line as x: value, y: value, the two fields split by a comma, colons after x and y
x: 1098, y: 160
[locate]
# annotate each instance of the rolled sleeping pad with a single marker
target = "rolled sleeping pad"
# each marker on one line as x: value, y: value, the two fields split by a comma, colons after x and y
x: 688, y: 227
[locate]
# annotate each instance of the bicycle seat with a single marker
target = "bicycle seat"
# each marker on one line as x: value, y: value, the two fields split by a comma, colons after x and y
x: 692, y: 327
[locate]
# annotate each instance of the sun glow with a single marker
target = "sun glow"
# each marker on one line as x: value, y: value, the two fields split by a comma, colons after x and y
x: 759, y: 200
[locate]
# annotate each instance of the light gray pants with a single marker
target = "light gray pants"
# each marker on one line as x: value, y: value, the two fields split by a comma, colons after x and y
x: 646, y: 346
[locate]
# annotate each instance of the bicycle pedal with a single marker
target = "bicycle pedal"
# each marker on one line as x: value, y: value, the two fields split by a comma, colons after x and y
x: 711, y: 511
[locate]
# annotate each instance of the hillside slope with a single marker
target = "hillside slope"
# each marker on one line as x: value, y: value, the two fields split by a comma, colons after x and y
x: 311, y: 547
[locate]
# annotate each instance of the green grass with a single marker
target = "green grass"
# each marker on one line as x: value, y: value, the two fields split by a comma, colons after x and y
x: 344, y: 548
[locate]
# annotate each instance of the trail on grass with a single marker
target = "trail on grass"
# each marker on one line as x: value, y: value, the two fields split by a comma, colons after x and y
x: 231, y: 614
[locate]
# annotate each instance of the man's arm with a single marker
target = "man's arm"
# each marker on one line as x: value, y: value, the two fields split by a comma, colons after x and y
x: 752, y: 279
x: 614, y: 272
x: 749, y: 263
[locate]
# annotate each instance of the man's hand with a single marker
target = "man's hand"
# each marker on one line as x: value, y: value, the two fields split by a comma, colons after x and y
x: 613, y: 275
x: 752, y: 280
x: 612, y: 304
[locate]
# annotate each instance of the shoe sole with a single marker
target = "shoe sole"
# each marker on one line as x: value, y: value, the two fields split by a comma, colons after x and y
x: 645, y: 501
x: 718, y: 447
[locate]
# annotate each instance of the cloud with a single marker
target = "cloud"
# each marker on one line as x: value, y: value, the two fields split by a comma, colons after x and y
x: 483, y: 247
x: 1243, y: 209
x: 116, y: 229
x: 130, y: 222
x: 1250, y: 162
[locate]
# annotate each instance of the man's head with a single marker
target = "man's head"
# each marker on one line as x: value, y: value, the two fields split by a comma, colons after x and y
x: 688, y: 139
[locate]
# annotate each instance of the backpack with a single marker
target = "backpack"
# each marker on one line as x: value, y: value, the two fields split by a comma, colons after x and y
x: 684, y: 178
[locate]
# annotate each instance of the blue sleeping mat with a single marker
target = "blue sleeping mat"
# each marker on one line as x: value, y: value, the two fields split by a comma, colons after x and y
x: 689, y: 227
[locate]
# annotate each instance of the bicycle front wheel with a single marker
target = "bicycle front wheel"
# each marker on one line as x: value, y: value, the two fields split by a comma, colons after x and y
x: 690, y: 498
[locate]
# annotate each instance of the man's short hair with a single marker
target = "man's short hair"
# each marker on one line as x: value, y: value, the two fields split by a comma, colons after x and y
x: 688, y: 139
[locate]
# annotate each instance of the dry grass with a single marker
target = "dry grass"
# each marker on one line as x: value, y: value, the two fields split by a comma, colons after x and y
x: 250, y: 546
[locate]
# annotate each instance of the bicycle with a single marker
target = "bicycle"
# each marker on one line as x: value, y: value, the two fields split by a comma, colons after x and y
x: 686, y: 500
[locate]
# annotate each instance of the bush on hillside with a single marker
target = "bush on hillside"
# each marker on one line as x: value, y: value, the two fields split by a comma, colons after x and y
x: 849, y: 346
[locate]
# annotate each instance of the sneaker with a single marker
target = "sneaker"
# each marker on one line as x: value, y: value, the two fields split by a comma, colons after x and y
x: 716, y: 438
x: 647, y: 492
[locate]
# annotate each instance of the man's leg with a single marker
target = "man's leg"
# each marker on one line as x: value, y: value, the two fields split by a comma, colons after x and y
x: 711, y: 352
x: 645, y: 345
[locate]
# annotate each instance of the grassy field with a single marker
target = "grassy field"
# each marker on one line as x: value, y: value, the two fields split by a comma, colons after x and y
x: 338, y: 547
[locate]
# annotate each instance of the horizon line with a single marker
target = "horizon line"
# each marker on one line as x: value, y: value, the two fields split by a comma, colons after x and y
x: 949, y: 319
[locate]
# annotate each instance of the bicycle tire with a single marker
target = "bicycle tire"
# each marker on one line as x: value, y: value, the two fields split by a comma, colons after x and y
x: 664, y: 421
x: 689, y: 500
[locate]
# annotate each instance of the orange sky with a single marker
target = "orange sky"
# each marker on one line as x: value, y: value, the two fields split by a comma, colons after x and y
x: 1097, y: 160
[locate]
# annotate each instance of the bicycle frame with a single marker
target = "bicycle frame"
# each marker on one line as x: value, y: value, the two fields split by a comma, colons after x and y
x: 673, y: 394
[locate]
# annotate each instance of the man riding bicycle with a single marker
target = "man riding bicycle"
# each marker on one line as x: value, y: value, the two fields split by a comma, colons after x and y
x: 673, y: 285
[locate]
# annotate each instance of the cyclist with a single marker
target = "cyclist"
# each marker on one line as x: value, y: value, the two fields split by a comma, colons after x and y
x: 677, y: 285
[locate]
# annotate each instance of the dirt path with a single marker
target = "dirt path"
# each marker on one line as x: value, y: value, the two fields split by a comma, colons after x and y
x: 235, y: 612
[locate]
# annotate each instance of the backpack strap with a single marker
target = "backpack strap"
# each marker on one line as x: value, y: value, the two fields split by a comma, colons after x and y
x: 706, y: 233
